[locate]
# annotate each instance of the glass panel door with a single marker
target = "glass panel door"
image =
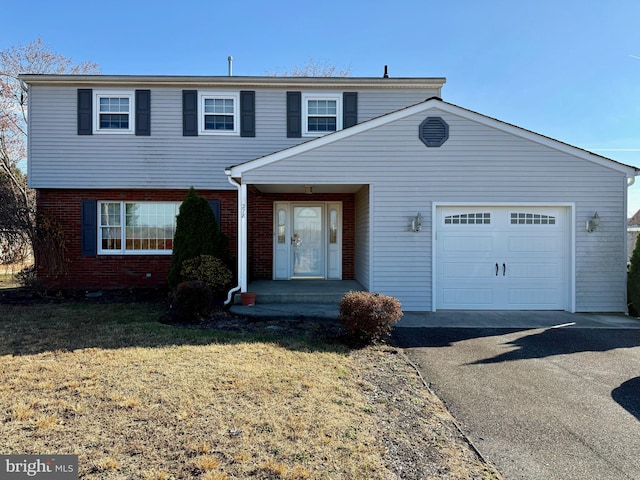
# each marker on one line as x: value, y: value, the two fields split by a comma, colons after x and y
x: 282, y: 243
x: 307, y: 242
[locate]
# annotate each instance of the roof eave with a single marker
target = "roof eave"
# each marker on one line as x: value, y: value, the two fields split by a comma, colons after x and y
x: 235, y: 81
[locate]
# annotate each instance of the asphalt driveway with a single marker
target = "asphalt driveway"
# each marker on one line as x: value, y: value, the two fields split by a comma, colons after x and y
x: 555, y: 397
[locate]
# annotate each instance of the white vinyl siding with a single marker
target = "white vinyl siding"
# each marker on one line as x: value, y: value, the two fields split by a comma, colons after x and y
x: 60, y: 158
x: 362, y: 237
x: 478, y: 163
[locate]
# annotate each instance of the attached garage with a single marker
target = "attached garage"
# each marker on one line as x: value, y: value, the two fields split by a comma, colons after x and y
x: 454, y: 210
x: 502, y: 257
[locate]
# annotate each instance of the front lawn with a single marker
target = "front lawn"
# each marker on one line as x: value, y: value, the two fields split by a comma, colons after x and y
x: 136, y: 399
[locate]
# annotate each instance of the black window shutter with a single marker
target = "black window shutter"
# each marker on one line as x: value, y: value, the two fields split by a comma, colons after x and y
x: 143, y: 112
x: 215, y: 207
x: 89, y: 234
x: 349, y: 109
x: 190, y: 113
x: 247, y: 113
x: 85, y: 111
x: 294, y: 114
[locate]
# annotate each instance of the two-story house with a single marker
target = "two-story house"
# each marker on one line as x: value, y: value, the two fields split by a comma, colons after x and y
x: 376, y: 180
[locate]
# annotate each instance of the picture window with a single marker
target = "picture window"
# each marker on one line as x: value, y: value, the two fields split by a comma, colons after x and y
x: 136, y: 227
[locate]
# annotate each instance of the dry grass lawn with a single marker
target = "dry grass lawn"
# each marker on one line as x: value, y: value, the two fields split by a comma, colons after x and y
x: 136, y: 399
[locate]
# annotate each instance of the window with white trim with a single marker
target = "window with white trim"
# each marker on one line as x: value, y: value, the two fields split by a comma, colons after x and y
x: 219, y: 113
x: 322, y: 113
x: 114, y: 111
x: 136, y: 227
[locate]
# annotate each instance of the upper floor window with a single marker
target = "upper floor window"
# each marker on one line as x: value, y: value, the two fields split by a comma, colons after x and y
x: 322, y: 113
x: 114, y: 112
x: 219, y: 113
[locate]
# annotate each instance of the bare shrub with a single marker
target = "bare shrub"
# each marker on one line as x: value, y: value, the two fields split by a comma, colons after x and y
x: 368, y: 316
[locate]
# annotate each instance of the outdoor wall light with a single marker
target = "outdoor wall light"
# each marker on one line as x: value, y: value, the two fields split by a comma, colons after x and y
x: 592, y: 223
x: 308, y: 189
x: 416, y: 223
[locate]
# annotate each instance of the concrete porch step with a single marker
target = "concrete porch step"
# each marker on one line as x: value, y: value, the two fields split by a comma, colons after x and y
x: 299, y: 291
x: 294, y: 297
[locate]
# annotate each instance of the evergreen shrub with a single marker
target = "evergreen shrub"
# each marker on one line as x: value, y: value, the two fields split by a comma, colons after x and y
x: 210, y: 270
x: 633, y: 281
x: 192, y: 301
x: 197, y: 233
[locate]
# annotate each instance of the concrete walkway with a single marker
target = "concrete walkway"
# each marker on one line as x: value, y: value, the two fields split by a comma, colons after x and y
x: 449, y: 318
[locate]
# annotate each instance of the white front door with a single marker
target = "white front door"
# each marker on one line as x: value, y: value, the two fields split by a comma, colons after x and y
x: 495, y: 258
x: 307, y: 240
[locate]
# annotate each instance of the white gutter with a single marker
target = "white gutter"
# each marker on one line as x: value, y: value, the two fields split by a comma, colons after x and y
x: 242, y: 237
x: 235, y: 81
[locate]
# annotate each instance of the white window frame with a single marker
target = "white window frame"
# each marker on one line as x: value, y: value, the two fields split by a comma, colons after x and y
x: 123, y: 229
x: 235, y: 96
x: 97, y: 95
x: 306, y: 97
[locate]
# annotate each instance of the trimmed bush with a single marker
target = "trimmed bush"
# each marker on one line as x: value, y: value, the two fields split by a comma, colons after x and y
x: 368, y: 316
x: 196, y: 234
x: 192, y: 301
x: 210, y: 270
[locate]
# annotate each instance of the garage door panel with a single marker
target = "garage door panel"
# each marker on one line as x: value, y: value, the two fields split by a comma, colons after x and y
x: 529, y: 245
x: 532, y: 270
x: 534, y: 244
x: 527, y: 298
x: 467, y: 270
x: 467, y: 298
x: 465, y: 243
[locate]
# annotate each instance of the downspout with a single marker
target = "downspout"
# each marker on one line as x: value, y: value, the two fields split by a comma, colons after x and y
x: 242, y: 237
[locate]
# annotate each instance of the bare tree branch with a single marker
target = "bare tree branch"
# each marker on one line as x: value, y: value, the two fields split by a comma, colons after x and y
x: 17, y: 201
x: 313, y: 68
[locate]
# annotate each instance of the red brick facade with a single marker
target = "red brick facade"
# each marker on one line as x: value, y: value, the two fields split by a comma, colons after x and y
x: 118, y: 271
x: 260, y: 235
x: 132, y: 271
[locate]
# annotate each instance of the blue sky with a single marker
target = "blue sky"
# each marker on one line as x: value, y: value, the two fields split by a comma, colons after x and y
x: 566, y: 69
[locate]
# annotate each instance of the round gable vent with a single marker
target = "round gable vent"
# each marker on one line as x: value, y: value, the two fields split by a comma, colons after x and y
x: 433, y: 131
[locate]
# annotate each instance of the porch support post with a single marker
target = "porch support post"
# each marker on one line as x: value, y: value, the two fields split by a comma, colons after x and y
x: 242, y: 237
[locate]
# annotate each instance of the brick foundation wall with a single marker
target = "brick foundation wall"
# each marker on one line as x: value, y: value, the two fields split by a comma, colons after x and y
x: 118, y: 271
x: 260, y: 230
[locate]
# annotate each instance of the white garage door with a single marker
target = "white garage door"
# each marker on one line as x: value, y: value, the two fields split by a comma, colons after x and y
x: 502, y: 258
